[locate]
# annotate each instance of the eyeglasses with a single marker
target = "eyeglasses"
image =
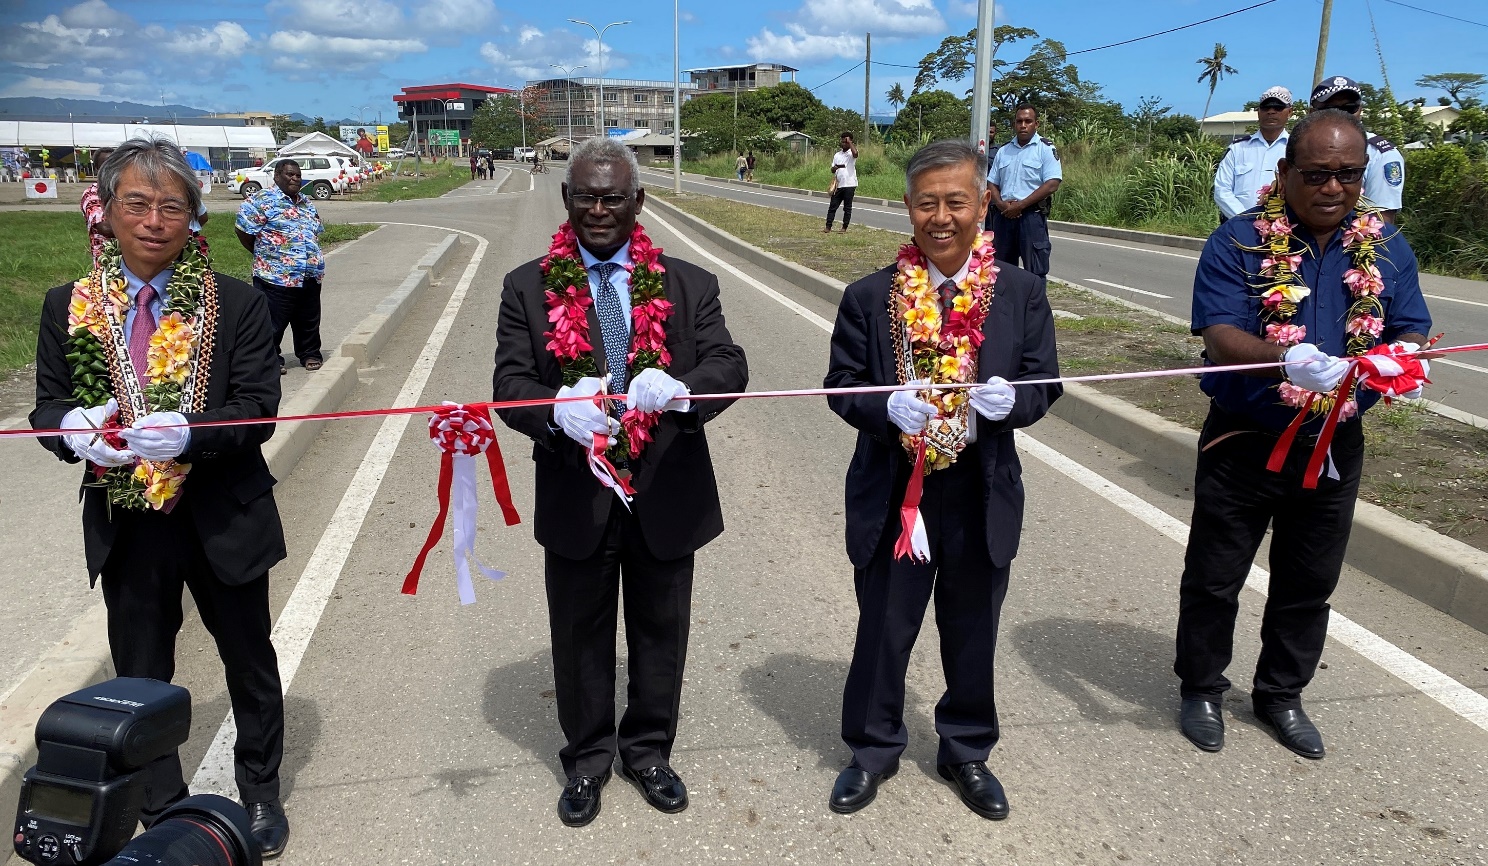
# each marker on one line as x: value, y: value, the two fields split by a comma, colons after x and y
x: 1346, y: 107
x: 585, y: 201
x: 171, y: 211
x: 1320, y: 176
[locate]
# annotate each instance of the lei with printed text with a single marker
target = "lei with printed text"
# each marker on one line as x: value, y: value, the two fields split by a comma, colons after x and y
x: 177, y: 365
x: 940, y: 345
x: 1283, y: 291
x: 568, y: 300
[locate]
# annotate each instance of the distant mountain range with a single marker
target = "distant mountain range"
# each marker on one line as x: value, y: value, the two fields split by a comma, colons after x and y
x: 98, y: 110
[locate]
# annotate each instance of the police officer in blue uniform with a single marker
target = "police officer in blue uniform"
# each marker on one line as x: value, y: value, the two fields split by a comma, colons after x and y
x: 1385, y: 178
x: 1024, y: 174
x: 1250, y: 163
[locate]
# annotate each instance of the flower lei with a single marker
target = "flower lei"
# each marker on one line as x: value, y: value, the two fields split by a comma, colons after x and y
x: 568, y: 301
x: 931, y: 343
x: 1282, y: 292
x: 176, y: 371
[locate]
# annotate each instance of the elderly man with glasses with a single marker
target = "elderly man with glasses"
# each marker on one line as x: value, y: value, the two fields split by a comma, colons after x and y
x: 1384, y: 177
x: 1302, y: 282
x: 151, y: 341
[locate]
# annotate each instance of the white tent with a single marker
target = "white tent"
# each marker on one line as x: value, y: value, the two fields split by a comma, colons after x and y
x: 317, y: 143
x: 25, y: 133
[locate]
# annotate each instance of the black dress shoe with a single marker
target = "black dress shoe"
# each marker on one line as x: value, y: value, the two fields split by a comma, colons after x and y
x: 1203, y: 724
x: 660, y: 785
x: 579, y: 803
x: 269, y: 826
x: 980, y: 790
x: 855, y: 788
x: 1295, y: 731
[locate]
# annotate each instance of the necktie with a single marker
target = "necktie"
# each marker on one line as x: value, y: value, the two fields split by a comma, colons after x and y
x: 612, y: 327
x: 141, y: 331
x: 947, y: 296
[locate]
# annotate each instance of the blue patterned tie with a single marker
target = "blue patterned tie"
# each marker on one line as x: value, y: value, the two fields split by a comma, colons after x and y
x: 612, y: 327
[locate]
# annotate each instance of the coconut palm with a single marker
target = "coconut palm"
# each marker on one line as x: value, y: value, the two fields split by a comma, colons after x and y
x: 1215, y: 69
x: 896, y: 96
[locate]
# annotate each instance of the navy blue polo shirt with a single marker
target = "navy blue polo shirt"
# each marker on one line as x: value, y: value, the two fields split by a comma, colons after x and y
x: 1224, y: 295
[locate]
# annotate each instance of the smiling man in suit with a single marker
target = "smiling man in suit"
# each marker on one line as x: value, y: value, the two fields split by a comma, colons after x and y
x: 606, y: 313
x: 165, y: 505
x: 943, y: 314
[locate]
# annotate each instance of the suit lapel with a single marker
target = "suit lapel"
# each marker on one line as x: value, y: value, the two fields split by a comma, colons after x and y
x: 991, y: 360
x: 883, y: 335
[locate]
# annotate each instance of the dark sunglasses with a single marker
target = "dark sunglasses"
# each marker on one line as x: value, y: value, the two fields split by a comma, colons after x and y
x: 1320, y: 176
x: 585, y: 201
x: 1346, y: 107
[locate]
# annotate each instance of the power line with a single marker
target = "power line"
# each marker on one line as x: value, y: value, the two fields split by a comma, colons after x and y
x: 1171, y: 29
x: 1433, y: 12
x: 837, y: 76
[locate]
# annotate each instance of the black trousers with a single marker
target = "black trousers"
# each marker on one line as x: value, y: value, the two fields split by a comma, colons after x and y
x: 1023, y: 241
x: 583, y: 599
x: 1235, y: 499
x: 153, y: 557
x: 296, y: 307
x: 843, y: 196
x: 892, y: 597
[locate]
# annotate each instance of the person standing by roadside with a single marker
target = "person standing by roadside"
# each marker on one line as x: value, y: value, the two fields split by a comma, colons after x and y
x: 474, y: 166
x: 749, y: 165
x: 844, y: 181
x: 1384, y: 180
x: 1023, y: 176
x: 1250, y: 163
x: 741, y: 165
x: 280, y: 227
x: 1305, y: 281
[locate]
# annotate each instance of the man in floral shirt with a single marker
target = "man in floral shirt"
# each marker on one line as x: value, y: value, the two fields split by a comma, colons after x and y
x: 280, y: 227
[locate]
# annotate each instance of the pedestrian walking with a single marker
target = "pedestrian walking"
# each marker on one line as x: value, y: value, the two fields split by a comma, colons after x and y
x: 1334, y: 280
x: 844, y: 181
x: 741, y: 165
x: 474, y: 166
x: 749, y: 166
x: 281, y: 228
x: 1384, y: 181
x: 603, y: 269
x: 173, y: 507
x: 1250, y: 163
x: 1024, y: 174
x: 970, y: 508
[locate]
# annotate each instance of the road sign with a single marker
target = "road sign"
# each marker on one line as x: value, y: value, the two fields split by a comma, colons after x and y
x: 449, y: 137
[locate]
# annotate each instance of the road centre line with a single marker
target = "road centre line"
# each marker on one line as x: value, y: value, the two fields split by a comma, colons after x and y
x: 307, y: 602
x: 1453, y: 300
x: 1421, y: 676
x: 1129, y: 289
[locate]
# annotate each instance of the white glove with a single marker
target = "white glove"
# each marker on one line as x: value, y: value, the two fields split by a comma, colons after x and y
x: 581, y: 420
x: 1321, y: 373
x: 89, y: 445
x: 994, y: 400
x: 1416, y: 393
x: 908, y: 412
x: 654, y: 391
x: 155, y: 436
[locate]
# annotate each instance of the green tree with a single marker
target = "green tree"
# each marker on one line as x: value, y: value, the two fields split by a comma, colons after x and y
x: 955, y: 58
x: 1472, y: 121
x: 828, y: 126
x: 717, y: 129
x: 281, y: 126
x: 1175, y: 127
x: 1047, y: 81
x: 1150, y: 109
x: 397, y: 134
x: 1215, y: 69
x: 930, y: 116
x: 787, y: 105
x: 320, y: 126
x: 895, y: 96
x: 1402, y: 121
x: 498, y: 123
x: 1463, y: 88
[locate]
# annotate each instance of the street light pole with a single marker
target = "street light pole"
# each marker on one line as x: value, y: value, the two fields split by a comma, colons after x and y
x: 568, y: 94
x: 677, y: 96
x: 981, y: 88
x: 599, y: 38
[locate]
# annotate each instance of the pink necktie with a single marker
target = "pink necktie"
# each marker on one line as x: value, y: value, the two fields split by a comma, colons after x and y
x: 141, y: 331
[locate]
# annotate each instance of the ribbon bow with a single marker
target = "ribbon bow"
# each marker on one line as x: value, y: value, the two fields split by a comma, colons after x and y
x: 1391, y: 370
x: 460, y: 432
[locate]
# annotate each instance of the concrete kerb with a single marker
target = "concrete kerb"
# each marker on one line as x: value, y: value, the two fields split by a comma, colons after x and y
x: 82, y: 657
x: 1426, y: 565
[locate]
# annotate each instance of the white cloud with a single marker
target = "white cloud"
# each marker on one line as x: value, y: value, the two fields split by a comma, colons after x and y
x: 533, y: 52
x: 95, y: 14
x: 824, y: 29
x: 453, y: 16
x: 52, y: 87
x: 353, y: 18
x: 302, y: 50
x: 226, y: 39
x: 970, y: 9
x: 800, y: 46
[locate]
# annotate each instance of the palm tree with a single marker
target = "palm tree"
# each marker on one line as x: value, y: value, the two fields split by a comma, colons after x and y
x: 1215, y: 69
x: 896, y: 96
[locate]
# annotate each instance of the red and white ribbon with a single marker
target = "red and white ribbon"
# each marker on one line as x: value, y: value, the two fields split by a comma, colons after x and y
x: 461, y: 432
x: 914, y: 541
x: 1391, y: 370
x: 606, y: 472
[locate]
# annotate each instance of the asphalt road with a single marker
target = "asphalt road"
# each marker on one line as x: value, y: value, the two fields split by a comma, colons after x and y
x: 420, y: 731
x: 1161, y: 278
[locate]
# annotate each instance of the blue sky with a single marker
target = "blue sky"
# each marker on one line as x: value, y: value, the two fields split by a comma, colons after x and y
x: 345, y: 58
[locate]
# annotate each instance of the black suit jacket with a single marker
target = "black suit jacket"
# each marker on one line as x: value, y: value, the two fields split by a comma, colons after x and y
x: 229, y: 491
x: 676, y: 499
x: 1019, y: 344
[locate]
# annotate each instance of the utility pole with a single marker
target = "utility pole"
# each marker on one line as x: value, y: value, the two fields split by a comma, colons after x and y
x: 677, y: 96
x: 981, y: 91
x: 1322, y: 52
x: 867, y: 72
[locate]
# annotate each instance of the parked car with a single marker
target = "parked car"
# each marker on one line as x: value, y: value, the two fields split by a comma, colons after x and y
x: 395, y: 153
x: 503, y: 153
x: 320, y: 176
x: 522, y: 154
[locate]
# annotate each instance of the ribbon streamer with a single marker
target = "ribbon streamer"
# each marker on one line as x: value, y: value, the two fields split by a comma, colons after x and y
x: 460, y: 432
x: 606, y: 472
x: 914, y: 541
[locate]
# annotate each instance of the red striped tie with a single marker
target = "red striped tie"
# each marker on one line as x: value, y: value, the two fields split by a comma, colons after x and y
x: 141, y: 332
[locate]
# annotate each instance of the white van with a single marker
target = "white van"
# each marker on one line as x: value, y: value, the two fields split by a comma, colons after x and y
x: 523, y: 154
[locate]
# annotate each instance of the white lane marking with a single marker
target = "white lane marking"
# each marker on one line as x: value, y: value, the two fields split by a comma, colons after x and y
x: 1426, y: 679
x: 794, y: 307
x: 1453, y: 300
x: 1124, y: 302
x: 1423, y: 677
x: 1065, y: 236
x: 1129, y: 289
x: 1450, y: 363
x: 301, y: 615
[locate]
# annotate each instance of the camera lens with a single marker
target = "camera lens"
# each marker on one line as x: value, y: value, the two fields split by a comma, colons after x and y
x: 205, y: 830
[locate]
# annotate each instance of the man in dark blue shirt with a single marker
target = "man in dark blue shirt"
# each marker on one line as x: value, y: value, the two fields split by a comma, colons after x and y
x: 1235, y: 496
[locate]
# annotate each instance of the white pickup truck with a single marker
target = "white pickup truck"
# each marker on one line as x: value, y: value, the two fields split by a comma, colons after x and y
x: 320, y: 176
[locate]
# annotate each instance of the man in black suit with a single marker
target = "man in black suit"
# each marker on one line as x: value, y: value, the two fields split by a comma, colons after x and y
x: 971, y: 513
x: 219, y: 533
x: 592, y: 540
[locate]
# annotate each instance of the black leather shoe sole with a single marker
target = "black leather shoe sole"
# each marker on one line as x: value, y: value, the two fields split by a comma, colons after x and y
x: 657, y: 802
x: 992, y: 814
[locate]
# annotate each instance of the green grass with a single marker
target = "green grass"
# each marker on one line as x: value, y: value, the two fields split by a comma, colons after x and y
x: 878, y: 177
x: 42, y: 250
x: 435, y: 180
x: 1094, y: 325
